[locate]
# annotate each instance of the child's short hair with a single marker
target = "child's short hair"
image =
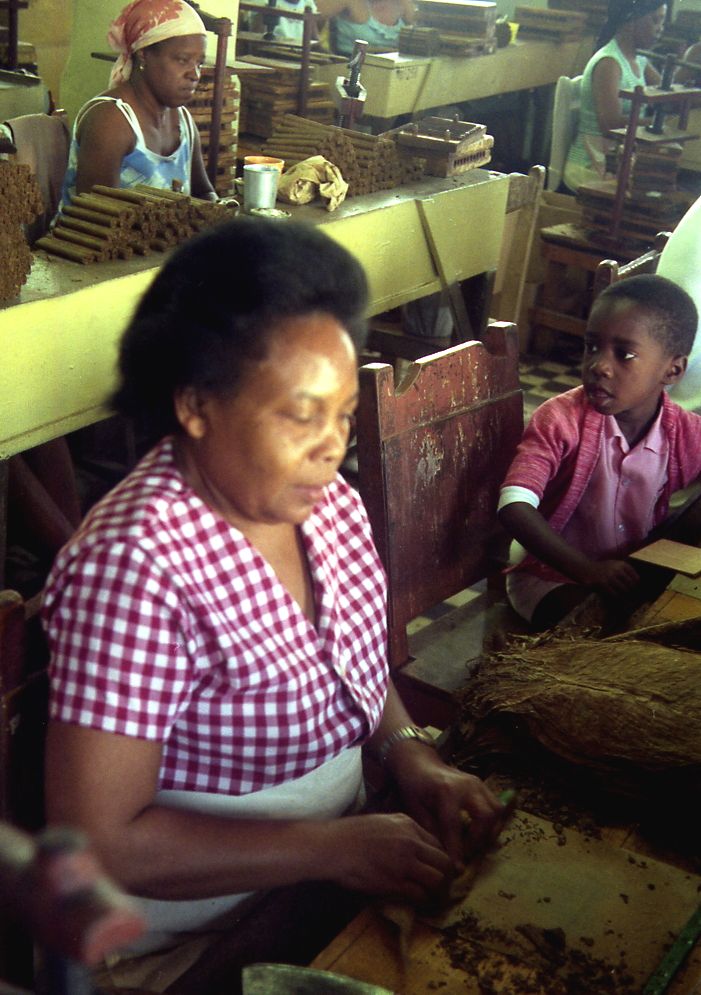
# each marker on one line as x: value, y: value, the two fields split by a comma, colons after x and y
x: 673, y: 312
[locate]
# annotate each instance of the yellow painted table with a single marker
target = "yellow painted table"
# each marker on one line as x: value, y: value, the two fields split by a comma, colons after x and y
x: 407, y: 84
x: 59, y: 339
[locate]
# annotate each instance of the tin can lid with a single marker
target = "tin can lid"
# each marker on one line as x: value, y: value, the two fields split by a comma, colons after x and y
x: 269, y: 212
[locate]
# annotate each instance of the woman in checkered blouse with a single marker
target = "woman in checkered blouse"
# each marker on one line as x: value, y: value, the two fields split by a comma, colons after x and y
x: 217, y: 625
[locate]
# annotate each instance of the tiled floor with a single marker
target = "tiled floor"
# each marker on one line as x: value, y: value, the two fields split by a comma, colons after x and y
x: 543, y: 377
x: 447, y: 641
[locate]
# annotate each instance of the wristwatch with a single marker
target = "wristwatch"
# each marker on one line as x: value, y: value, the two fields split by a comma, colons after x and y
x: 404, y: 732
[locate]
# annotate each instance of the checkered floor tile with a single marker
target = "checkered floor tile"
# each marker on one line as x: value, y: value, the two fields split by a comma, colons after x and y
x: 543, y: 377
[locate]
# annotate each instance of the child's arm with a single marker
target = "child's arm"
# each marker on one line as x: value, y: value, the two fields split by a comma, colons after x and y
x: 528, y: 526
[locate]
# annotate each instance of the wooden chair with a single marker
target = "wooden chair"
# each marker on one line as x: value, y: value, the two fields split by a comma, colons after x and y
x: 609, y: 271
x: 23, y: 717
x: 432, y: 454
x: 566, y: 104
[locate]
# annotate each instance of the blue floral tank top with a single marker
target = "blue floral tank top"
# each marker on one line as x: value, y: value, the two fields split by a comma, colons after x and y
x: 141, y: 165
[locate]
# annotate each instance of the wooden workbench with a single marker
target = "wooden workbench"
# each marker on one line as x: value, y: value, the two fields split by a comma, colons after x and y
x: 59, y: 339
x: 615, y: 884
x: 407, y: 84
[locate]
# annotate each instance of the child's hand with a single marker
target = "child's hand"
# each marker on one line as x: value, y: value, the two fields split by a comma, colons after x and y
x: 613, y: 576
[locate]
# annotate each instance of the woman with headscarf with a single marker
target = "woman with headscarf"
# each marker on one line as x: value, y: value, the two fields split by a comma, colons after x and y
x: 138, y: 130
x: 616, y: 65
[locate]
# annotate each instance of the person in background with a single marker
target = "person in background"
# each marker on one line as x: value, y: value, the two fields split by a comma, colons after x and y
x: 616, y: 65
x: 378, y: 22
x: 217, y: 627
x: 139, y: 130
x: 290, y: 29
x: 680, y: 261
x: 597, y: 465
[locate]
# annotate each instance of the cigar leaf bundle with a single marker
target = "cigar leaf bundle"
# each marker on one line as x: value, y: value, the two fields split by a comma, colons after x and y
x: 625, y: 705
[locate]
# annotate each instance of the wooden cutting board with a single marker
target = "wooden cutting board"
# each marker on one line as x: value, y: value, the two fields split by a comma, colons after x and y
x: 606, y: 904
x: 672, y: 555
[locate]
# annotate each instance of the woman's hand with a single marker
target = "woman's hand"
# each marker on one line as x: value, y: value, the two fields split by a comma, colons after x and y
x: 388, y: 855
x: 458, y: 808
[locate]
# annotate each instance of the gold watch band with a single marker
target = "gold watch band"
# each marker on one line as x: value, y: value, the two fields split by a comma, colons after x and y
x: 398, y: 735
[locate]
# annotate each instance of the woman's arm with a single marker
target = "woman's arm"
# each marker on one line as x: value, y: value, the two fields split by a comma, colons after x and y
x: 105, y: 137
x: 356, y: 11
x: 652, y: 77
x: 435, y: 794
x: 106, y: 785
x: 407, y: 11
x: 527, y: 525
x: 606, y: 82
x: 200, y: 184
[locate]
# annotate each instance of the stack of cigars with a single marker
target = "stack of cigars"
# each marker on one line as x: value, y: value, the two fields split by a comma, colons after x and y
x: 21, y: 202
x: 112, y: 223
x: 368, y: 163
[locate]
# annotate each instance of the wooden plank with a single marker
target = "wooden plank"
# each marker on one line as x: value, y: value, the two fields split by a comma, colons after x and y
x: 672, y: 555
x: 612, y: 906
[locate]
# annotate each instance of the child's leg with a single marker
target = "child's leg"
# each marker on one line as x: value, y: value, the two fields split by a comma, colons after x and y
x: 557, y: 604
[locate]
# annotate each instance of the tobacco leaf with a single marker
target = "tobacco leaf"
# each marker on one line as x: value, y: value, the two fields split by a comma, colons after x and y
x: 606, y: 705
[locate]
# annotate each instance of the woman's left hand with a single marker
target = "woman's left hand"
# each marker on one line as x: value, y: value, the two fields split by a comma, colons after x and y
x: 457, y: 808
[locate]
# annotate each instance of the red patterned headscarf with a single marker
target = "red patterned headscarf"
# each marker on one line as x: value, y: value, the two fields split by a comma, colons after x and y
x: 145, y: 22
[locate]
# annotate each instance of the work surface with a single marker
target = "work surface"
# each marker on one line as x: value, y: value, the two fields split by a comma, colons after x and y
x: 565, y: 894
x: 551, y: 912
x: 59, y: 338
x: 408, y: 84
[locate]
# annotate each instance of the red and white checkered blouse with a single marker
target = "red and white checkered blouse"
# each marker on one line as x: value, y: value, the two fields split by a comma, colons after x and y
x: 164, y: 623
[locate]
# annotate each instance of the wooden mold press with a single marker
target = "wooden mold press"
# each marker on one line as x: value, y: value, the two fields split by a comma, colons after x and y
x: 449, y: 145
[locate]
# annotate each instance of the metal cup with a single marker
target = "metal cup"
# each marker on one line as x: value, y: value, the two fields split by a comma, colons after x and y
x: 259, y: 185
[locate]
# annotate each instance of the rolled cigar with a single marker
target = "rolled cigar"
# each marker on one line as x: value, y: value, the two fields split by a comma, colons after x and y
x: 106, y: 205
x: 164, y: 194
x: 76, y: 253
x: 119, y: 193
x: 78, y: 238
x: 97, y: 231
x: 94, y: 217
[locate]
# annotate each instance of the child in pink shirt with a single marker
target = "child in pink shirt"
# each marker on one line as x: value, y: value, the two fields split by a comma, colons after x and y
x: 596, y: 467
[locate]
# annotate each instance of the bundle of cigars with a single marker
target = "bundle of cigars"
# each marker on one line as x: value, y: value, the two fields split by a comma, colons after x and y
x: 113, y: 223
x: 21, y: 202
x: 368, y: 163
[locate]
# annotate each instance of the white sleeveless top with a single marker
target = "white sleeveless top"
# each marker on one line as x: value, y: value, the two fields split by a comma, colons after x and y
x: 141, y: 165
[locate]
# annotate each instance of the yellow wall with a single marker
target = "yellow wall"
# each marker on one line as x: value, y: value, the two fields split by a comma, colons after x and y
x: 46, y: 24
x: 83, y: 76
x: 65, y: 32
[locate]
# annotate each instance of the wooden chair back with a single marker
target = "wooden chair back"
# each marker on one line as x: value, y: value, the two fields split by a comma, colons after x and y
x: 565, y: 120
x: 432, y: 454
x: 609, y: 271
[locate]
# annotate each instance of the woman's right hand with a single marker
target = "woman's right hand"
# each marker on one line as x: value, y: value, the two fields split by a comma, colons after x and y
x: 389, y: 855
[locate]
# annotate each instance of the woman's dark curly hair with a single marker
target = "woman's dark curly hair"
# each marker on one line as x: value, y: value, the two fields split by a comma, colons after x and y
x: 212, y: 309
